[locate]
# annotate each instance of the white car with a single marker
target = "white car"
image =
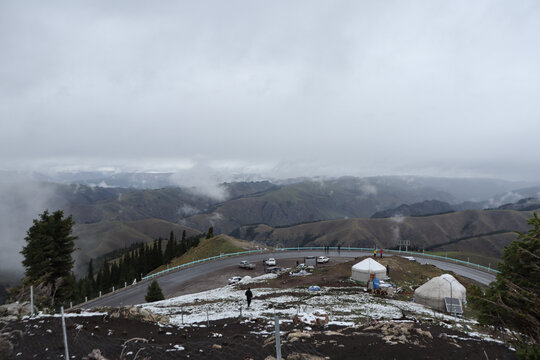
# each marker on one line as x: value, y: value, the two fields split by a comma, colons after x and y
x: 235, y: 279
x: 270, y: 262
x: 322, y: 260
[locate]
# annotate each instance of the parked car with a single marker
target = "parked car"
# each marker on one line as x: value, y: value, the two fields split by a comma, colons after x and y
x: 273, y: 269
x: 270, y: 262
x: 410, y: 258
x: 246, y: 265
x: 235, y: 279
x: 322, y: 260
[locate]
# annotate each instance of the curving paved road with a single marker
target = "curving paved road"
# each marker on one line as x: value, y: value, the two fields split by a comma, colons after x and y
x: 170, y: 282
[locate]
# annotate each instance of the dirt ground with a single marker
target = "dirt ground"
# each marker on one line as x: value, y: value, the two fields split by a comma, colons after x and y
x: 239, y: 339
x: 120, y: 338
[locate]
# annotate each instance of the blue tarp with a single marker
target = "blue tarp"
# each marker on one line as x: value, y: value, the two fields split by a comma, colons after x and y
x: 375, y: 283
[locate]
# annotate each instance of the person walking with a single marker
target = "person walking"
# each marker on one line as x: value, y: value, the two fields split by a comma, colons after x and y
x: 381, y: 253
x: 249, y: 296
x: 375, y: 253
x: 387, y: 270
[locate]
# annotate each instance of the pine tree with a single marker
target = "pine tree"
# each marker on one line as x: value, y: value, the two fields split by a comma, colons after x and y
x: 47, y: 253
x: 115, y: 274
x: 99, y: 280
x: 141, y: 268
x: 154, y: 292
x: 90, y: 283
x: 210, y: 232
x: 159, y: 257
x: 513, y: 300
x: 170, y: 249
x: 90, y: 274
x: 106, y: 277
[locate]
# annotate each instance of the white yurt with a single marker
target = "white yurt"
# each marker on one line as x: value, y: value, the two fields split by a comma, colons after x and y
x: 362, y: 270
x: 433, y: 292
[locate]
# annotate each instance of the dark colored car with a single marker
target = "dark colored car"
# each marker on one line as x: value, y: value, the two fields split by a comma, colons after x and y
x: 273, y: 269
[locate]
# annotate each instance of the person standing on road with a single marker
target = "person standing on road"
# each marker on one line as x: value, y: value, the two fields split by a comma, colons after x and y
x: 375, y: 252
x: 249, y: 295
x: 381, y: 254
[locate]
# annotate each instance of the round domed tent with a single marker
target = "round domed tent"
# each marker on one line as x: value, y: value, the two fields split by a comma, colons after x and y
x: 362, y: 270
x: 433, y: 292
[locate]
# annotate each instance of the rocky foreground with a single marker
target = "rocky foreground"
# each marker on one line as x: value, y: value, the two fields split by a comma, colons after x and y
x: 128, y: 334
x: 333, y: 323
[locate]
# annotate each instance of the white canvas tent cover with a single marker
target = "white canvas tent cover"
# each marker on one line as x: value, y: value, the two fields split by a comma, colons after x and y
x: 362, y: 270
x: 433, y: 292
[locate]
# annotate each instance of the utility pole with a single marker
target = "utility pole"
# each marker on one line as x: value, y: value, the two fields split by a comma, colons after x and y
x: 278, y: 342
x: 31, y: 300
x: 64, y: 332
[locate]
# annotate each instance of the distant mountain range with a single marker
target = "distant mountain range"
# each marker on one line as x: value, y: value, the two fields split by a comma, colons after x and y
x: 477, y: 231
x: 435, y: 207
x: 109, y: 218
x: 293, y: 212
x: 462, y: 189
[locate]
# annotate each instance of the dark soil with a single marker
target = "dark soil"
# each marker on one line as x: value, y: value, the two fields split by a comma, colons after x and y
x: 233, y: 339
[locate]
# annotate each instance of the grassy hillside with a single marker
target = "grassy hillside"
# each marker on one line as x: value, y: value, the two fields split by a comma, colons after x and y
x: 474, y: 231
x: 221, y: 244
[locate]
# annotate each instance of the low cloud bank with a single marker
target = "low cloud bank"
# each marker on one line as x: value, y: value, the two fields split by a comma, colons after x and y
x: 21, y: 201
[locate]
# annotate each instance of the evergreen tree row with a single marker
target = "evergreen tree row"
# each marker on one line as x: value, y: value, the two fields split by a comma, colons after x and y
x: 133, y: 264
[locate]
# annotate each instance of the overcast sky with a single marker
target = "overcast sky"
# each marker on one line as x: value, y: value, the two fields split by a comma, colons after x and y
x: 283, y: 88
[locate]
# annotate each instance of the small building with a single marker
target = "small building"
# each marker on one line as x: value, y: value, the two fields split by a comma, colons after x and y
x: 363, y: 270
x: 433, y: 292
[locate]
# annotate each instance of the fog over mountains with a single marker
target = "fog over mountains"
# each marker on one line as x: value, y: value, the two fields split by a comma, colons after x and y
x: 187, y: 115
x: 142, y: 206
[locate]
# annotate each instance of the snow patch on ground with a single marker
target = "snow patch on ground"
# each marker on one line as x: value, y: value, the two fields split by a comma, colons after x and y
x: 342, y: 309
x: 67, y: 315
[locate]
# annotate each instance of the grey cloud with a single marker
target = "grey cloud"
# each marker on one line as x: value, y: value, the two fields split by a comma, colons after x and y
x: 314, y: 88
x: 21, y: 201
x: 202, y: 180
